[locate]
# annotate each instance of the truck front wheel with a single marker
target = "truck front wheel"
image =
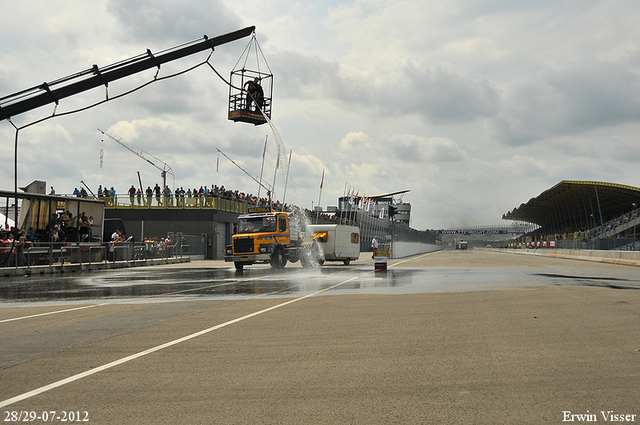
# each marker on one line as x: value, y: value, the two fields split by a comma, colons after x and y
x: 239, y: 266
x: 278, y: 260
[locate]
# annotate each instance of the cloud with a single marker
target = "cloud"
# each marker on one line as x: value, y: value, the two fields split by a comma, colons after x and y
x: 168, y: 21
x: 403, y: 147
x: 412, y: 148
x: 434, y: 92
x: 440, y: 93
x: 581, y: 98
x: 524, y: 167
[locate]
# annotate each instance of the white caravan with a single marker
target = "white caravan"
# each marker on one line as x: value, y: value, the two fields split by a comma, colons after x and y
x: 339, y: 242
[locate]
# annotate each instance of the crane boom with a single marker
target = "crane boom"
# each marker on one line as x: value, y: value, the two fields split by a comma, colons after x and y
x: 53, y: 91
x: 164, y: 170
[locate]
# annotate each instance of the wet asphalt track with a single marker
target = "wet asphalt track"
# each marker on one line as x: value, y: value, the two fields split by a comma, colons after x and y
x: 451, y: 337
x: 198, y: 280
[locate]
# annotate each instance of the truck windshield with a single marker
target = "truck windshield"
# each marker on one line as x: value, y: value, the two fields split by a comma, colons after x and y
x: 257, y: 225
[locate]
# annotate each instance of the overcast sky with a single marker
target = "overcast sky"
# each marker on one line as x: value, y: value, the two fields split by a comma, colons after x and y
x: 474, y: 106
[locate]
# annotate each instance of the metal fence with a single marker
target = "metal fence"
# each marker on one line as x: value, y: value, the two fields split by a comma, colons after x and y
x: 195, y: 247
x: 616, y: 244
x: 60, y: 254
x: 601, y: 244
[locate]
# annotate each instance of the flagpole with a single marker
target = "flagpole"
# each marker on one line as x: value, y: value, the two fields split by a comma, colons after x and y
x: 345, y: 212
x: 286, y: 180
x: 262, y: 167
x: 344, y: 196
x: 320, y: 195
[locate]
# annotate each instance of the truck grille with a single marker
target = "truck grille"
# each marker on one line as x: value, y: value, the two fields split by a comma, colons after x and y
x: 243, y: 246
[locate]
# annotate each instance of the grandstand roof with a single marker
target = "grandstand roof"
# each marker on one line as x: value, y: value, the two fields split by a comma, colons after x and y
x: 577, y: 205
x: 386, y: 195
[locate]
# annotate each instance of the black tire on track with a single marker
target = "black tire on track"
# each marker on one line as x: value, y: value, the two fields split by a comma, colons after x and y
x: 278, y: 260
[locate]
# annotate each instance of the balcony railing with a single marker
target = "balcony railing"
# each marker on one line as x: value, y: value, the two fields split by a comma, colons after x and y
x: 175, y: 203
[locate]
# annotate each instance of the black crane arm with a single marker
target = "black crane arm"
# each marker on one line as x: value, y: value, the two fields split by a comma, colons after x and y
x: 46, y: 93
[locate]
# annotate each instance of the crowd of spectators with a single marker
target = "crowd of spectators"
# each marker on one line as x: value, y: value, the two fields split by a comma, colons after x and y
x: 60, y: 228
x: 156, y: 247
x: 15, y: 244
x: 12, y: 248
x: 200, y: 196
x: 63, y: 226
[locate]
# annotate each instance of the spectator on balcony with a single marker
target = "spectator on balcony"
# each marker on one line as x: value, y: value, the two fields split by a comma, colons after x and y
x: 176, y: 194
x: 132, y: 194
x: 167, y: 196
x: 157, y: 191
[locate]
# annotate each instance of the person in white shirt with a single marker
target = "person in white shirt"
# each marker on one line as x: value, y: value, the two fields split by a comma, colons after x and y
x: 374, y: 245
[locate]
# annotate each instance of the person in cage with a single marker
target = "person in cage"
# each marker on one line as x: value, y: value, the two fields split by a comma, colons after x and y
x: 259, y: 97
x: 254, y: 93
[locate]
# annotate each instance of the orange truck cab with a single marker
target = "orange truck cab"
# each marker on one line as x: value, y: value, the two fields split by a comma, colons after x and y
x: 266, y: 236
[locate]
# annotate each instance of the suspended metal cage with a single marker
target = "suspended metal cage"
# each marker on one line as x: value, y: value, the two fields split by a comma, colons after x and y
x: 251, y: 88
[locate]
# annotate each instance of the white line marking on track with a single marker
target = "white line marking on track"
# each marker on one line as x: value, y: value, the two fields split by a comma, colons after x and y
x: 51, y: 312
x: 79, y: 376
x: 413, y: 258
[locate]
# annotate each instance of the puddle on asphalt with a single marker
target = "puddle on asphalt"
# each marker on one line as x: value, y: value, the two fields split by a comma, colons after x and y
x: 596, y: 281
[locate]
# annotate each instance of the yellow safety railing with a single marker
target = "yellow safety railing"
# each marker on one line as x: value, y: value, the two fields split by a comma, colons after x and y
x: 175, y: 203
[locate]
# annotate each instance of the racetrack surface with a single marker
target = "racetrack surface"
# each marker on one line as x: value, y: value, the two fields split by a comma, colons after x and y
x: 449, y: 337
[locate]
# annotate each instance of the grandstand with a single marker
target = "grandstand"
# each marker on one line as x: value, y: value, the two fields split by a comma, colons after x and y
x: 581, y: 215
